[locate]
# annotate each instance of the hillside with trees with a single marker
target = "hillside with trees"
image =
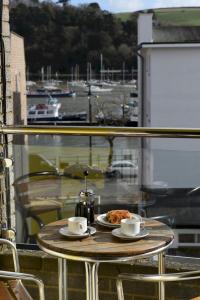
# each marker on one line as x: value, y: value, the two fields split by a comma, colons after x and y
x: 62, y: 35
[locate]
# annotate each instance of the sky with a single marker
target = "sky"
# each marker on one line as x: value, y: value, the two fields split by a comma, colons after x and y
x: 134, y: 5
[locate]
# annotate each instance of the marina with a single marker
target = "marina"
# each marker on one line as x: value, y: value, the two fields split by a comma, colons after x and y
x: 88, y: 105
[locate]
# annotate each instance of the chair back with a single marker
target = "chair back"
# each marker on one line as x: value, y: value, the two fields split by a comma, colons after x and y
x: 158, y: 278
x: 39, y: 184
x: 32, y: 193
x: 11, y: 286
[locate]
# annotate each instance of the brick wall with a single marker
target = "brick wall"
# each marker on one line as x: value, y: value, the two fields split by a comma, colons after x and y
x: 18, y: 78
x: 45, y: 267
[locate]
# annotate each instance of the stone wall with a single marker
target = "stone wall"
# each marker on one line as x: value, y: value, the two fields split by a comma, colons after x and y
x: 9, y: 109
x: 15, y: 86
x: 44, y: 266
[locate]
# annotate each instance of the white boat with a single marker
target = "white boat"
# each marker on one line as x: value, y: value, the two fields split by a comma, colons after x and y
x: 49, y: 112
x: 30, y: 83
x: 109, y: 83
x: 130, y: 84
x: 78, y: 84
x: 50, y: 87
x: 126, y: 85
x: 44, y: 111
x: 41, y: 93
x: 99, y: 89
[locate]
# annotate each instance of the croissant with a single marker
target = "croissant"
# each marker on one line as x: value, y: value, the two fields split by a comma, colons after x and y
x: 115, y: 216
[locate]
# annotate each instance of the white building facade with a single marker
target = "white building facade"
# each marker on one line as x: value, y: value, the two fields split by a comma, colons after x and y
x: 169, y: 94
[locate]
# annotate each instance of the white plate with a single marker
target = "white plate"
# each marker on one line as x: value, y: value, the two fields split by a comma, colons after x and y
x: 65, y: 232
x: 102, y: 220
x: 117, y: 233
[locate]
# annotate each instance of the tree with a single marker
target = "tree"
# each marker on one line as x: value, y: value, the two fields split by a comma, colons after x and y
x: 124, y: 52
x: 94, y: 5
x: 63, y: 36
x: 63, y: 2
x: 110, y: 114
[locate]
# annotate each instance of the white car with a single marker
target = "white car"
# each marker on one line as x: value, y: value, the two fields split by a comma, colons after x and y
x: 123, y: 168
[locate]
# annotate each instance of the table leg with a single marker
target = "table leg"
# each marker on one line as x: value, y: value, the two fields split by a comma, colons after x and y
x: 161, y: 270
x: 62, y: 279
x: 88, y: 281
x: 91, y: 271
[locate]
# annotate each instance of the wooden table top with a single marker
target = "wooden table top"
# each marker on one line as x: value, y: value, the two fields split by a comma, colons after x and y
x: 102, y: 245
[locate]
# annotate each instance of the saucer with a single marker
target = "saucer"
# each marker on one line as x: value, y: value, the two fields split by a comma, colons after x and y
x: 102, y: 220
x: 118, y: 233
x: 65, y: 232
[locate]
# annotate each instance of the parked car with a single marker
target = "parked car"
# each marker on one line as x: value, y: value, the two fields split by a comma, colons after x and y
x: 122, y: 168
x: 132, y: 103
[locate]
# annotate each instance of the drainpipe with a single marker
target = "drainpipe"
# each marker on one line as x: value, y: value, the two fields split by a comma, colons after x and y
x: 141, y: 84
x: 141, y: 88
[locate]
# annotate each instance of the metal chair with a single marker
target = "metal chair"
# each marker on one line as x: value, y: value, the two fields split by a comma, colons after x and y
x: 11, y: 286
x: 156, y: 197
x: 156, y: 278
x: 35, y: 194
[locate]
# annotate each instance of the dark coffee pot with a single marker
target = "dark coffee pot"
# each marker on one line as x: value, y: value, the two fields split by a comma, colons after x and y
x: 85, y: 206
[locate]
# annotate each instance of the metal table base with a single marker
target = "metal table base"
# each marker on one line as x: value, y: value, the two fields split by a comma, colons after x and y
x: 91, y: 272
x: 62, y: 278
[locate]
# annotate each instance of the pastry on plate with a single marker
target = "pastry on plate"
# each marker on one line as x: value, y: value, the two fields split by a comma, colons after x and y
x: 115, y: 216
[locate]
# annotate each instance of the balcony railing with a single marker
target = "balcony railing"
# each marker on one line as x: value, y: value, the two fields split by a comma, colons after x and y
x: 151, y: 171
x: 104, y: 131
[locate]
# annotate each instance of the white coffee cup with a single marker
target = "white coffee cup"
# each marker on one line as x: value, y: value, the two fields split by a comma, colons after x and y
x: 130, y: 227
x: 77, y: 225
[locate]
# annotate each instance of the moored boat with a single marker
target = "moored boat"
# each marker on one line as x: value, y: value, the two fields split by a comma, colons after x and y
x: 50, y: 113
x: 43, y: 111
x: 98, y: 89
x: 40, y: 93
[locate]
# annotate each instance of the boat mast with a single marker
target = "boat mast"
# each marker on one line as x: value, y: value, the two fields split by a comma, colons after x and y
x: 101, y: 66
x: 42, y: 74
x: 27, y: 73
x: 123, y: 73
x: 89, y: 71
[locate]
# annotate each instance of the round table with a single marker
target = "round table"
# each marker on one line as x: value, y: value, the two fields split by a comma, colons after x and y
x: 102, y: 247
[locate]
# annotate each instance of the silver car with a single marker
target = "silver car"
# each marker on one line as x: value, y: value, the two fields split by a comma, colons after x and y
x: 123, y: 168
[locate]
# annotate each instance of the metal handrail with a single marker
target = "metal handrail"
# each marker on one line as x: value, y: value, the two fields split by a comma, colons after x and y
x: 104, y: 131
